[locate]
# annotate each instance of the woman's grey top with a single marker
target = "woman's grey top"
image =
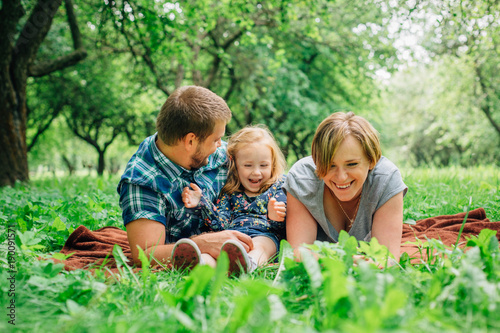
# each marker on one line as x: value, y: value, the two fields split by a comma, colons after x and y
x: 383, y: 182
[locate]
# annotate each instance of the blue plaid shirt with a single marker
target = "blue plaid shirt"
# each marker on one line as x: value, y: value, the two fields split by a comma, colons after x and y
x: 151, y: 188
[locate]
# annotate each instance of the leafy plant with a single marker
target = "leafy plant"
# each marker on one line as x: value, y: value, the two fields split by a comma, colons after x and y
x: 451, y: 289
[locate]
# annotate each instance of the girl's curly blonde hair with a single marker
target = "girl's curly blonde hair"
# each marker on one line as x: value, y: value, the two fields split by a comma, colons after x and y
x: 250, y: 135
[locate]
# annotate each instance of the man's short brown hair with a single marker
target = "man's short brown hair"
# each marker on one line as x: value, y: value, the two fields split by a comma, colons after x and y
x: 190, y: 109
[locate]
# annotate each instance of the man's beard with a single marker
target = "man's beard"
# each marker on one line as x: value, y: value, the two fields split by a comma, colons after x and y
x: 198, y: 160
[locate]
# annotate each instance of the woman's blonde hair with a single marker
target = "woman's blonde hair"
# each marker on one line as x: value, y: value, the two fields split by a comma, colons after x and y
x: 333, y: 130
x: 249, y: 135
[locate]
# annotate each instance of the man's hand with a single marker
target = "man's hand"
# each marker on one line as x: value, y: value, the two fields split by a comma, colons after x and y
x: 276, y: 210
x: 211, y: 242
x: 191, y: 197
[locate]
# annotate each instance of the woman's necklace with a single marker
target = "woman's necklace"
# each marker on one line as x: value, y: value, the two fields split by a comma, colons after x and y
x: 351, y: 221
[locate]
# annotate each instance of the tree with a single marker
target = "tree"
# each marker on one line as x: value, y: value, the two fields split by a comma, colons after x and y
x: 18, y: 61
x: 435, y: 119
x: 44, y: 103
x: 469, y: 30
x: 283, y: 63
x: 97, y: 102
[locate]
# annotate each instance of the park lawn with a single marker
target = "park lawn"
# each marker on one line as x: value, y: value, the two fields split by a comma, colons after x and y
x: 455, y: 291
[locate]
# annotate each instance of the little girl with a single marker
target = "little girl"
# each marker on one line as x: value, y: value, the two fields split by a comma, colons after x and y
x: 252, y: 202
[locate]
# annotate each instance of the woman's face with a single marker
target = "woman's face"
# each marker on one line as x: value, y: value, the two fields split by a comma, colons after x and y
x: 349, y: 170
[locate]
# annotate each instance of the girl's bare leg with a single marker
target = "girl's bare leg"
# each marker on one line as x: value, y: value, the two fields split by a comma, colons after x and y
x: 209, y: 260
x: 263, y: 249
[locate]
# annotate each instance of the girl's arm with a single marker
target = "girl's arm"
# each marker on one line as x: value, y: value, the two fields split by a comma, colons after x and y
x: 276, y: 210
x: 191, y: 196
x: 217, y: 217
x: 301, y: 227
x: 388, y: 224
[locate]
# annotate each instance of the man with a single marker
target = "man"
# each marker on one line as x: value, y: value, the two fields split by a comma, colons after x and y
x: 187, y: 148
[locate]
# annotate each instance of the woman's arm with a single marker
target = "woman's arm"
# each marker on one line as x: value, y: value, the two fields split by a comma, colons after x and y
x: 388, y: 224
x: 301, y: 227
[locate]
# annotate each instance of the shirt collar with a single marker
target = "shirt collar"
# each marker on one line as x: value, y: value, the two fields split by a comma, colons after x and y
x: 171, y: 170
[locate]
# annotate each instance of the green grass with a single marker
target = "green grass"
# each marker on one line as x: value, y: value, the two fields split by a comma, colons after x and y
x: 457, y: 292
x: 447, y: 191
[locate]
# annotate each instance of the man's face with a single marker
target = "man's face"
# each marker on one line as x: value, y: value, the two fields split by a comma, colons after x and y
x: 208, y: 146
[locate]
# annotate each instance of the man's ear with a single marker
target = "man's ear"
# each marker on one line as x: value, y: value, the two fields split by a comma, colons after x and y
x: 190, y: 142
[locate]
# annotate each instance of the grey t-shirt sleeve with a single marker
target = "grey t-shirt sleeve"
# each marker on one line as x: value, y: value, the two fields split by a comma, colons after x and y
x: 395, y: 185
x: 383, y: 182
x: 302, y: 182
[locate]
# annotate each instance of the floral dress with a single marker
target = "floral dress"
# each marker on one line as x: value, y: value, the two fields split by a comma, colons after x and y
x: 247, y: 214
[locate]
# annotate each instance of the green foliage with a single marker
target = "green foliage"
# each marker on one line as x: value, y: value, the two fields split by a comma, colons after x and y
x: 286, y: 64
x: 448, y: 98
x: 443, y: 124
x: 444, y: 191
x: 45, y: 216
x: 457, y: 290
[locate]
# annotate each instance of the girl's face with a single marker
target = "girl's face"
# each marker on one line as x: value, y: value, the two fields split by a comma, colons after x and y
x: 349, y: 170
x: 254, y: 165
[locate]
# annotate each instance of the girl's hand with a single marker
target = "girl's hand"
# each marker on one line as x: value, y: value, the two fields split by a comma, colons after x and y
x: 276, y: 210
x: 191, y: 197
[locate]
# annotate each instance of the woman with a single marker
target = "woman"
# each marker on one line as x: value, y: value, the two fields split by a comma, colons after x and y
x: 345, y: 185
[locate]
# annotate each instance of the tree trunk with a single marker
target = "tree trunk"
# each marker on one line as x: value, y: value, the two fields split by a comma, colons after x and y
x: 101, y: 163
x: 71, y: 167
x: 13, y: 152
x: 485, y: 107
x: 17, y: 62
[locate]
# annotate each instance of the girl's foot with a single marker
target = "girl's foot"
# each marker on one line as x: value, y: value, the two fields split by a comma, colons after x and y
x: 186, y: 254
x: 239, y: 260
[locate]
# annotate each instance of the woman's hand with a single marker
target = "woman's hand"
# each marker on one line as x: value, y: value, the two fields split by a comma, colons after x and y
x: 359, y: 258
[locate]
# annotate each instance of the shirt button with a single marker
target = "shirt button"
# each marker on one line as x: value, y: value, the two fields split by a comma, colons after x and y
x: 187, y: 215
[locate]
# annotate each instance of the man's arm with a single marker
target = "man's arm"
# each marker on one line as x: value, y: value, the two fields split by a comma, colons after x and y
x: 150, y: 236
x: 211, y: 242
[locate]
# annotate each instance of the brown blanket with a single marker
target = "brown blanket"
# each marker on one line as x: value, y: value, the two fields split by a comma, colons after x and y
x: 446, y: 228
x: 90, y: 248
